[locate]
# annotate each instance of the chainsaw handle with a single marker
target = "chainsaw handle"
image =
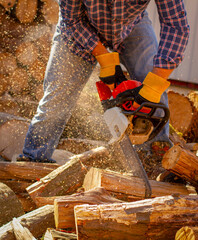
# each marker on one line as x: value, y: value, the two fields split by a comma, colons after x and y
x: 158, y: 122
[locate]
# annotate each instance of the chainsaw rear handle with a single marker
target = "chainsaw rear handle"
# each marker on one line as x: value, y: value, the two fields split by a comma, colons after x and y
x: 158, y: 122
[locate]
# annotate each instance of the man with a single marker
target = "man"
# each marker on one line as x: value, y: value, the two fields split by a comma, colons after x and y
x: 108, y: 32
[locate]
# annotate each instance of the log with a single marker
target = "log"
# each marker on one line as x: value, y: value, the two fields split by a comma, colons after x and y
x: 37, y: 70
x: 7, y: 4
x: 50, y: 11
x: 184, y: 119
x: 19, y: 81
x: 129, y: 188
x: 183, y: 163
x: 10, y: 205
x: 12, y: 135
x: 64, y: 206
x: 157, y: 218
x: 38, y: 92
x: 4, y: 84
x: 193, y: 96
x: 8, y: 63
x: 187, y: 233
x: 25, y: 170
x: 7, y: 105
x: 42, y: 217
x: 26, y: 10
x: 27, y: 203
x: 26, y: 53
x: 20, y: 232
x: 67, y: 178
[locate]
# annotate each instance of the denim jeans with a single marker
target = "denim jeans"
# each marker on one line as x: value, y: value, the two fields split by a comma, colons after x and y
x: 66, y: 75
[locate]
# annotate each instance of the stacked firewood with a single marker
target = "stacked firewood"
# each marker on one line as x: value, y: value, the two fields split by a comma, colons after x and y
x: 26, y: 31
x: 91, y: 194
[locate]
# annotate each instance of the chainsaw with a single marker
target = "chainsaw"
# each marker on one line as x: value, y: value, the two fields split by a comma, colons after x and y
x: 131, y: 125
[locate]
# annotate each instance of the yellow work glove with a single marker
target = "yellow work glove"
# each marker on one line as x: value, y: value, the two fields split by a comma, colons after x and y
x: 151, y: 90
x: 110, y: 70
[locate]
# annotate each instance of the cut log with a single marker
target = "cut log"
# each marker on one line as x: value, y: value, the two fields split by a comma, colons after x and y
x: 10, y: 205
x: 12, y: 135
x: 67, y: 178
x: 7, y: 105
x: 25, y: 170
x: 129, y: 188
x: 27, y: 203
x: 19, y: 81
x: 26, y: 10
x: 4, y: 84
x: 37, y: 70
x: 7, y: 4
x: 50, y: 11
x: 8, y: 63
x: 157, y: 218
x: 42, y: 217
x: 193, y: 96
x: 64, y: 207
x: 184, y: 119
x: 183, y: 163
x: 187, y: 233
x: 20, y: 232
x: 27, y: 53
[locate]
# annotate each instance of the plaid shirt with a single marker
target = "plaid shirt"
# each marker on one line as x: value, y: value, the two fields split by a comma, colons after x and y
x: 85, y: 22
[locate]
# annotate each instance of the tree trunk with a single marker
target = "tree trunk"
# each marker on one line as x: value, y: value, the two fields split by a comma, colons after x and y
x: 36, y: 221
x: 157, y: 218
x: 183, y: 163
x: 64, y: 206
x: 10, y: 205
x: 69, y: 177
x: 129, y: 188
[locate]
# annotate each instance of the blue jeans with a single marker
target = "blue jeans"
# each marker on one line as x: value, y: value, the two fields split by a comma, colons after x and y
x: 66, y: 75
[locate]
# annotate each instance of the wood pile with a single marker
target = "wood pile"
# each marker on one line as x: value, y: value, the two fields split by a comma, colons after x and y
x: 26, y: 31
x: 92, y: 195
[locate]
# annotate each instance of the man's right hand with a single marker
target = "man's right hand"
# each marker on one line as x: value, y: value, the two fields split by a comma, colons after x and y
x: 110, y: 72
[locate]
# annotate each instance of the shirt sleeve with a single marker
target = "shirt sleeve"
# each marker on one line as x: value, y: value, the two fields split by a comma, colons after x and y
x: 174, y: 33
x: 75, y: 24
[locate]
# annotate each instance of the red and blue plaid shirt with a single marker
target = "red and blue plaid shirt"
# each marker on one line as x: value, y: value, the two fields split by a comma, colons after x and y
x: 85, y: 22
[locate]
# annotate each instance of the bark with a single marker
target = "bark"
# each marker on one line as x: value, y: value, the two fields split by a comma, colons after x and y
x: 7, y: 4
x: 50, y: 11
x: 157, y: 218
x: 10, y: 205
x: 64, y: 206
x: 8, y: 63
x: 26, y: 10
x: 42, y: 217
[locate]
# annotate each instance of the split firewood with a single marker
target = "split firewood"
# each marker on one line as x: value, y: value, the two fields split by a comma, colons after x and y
x: 157, y: 218
x: 8, y: 63
x: 64, y: 206
x: 27, y: 203
x: 183, y: 163
x: 193, y: 96
x: 183, y: 115
x: 26, y: 10
x: 27, y: 53
x: 19, y: 81
x: 25, y: 170
x: 187, y: 233
x: 20, y: 232
x: 50, y: 11
x: 67, y: 178
x: 10, y: 205
x: 7, y: 4
x: 36, y: 221
x: 129, y: 188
